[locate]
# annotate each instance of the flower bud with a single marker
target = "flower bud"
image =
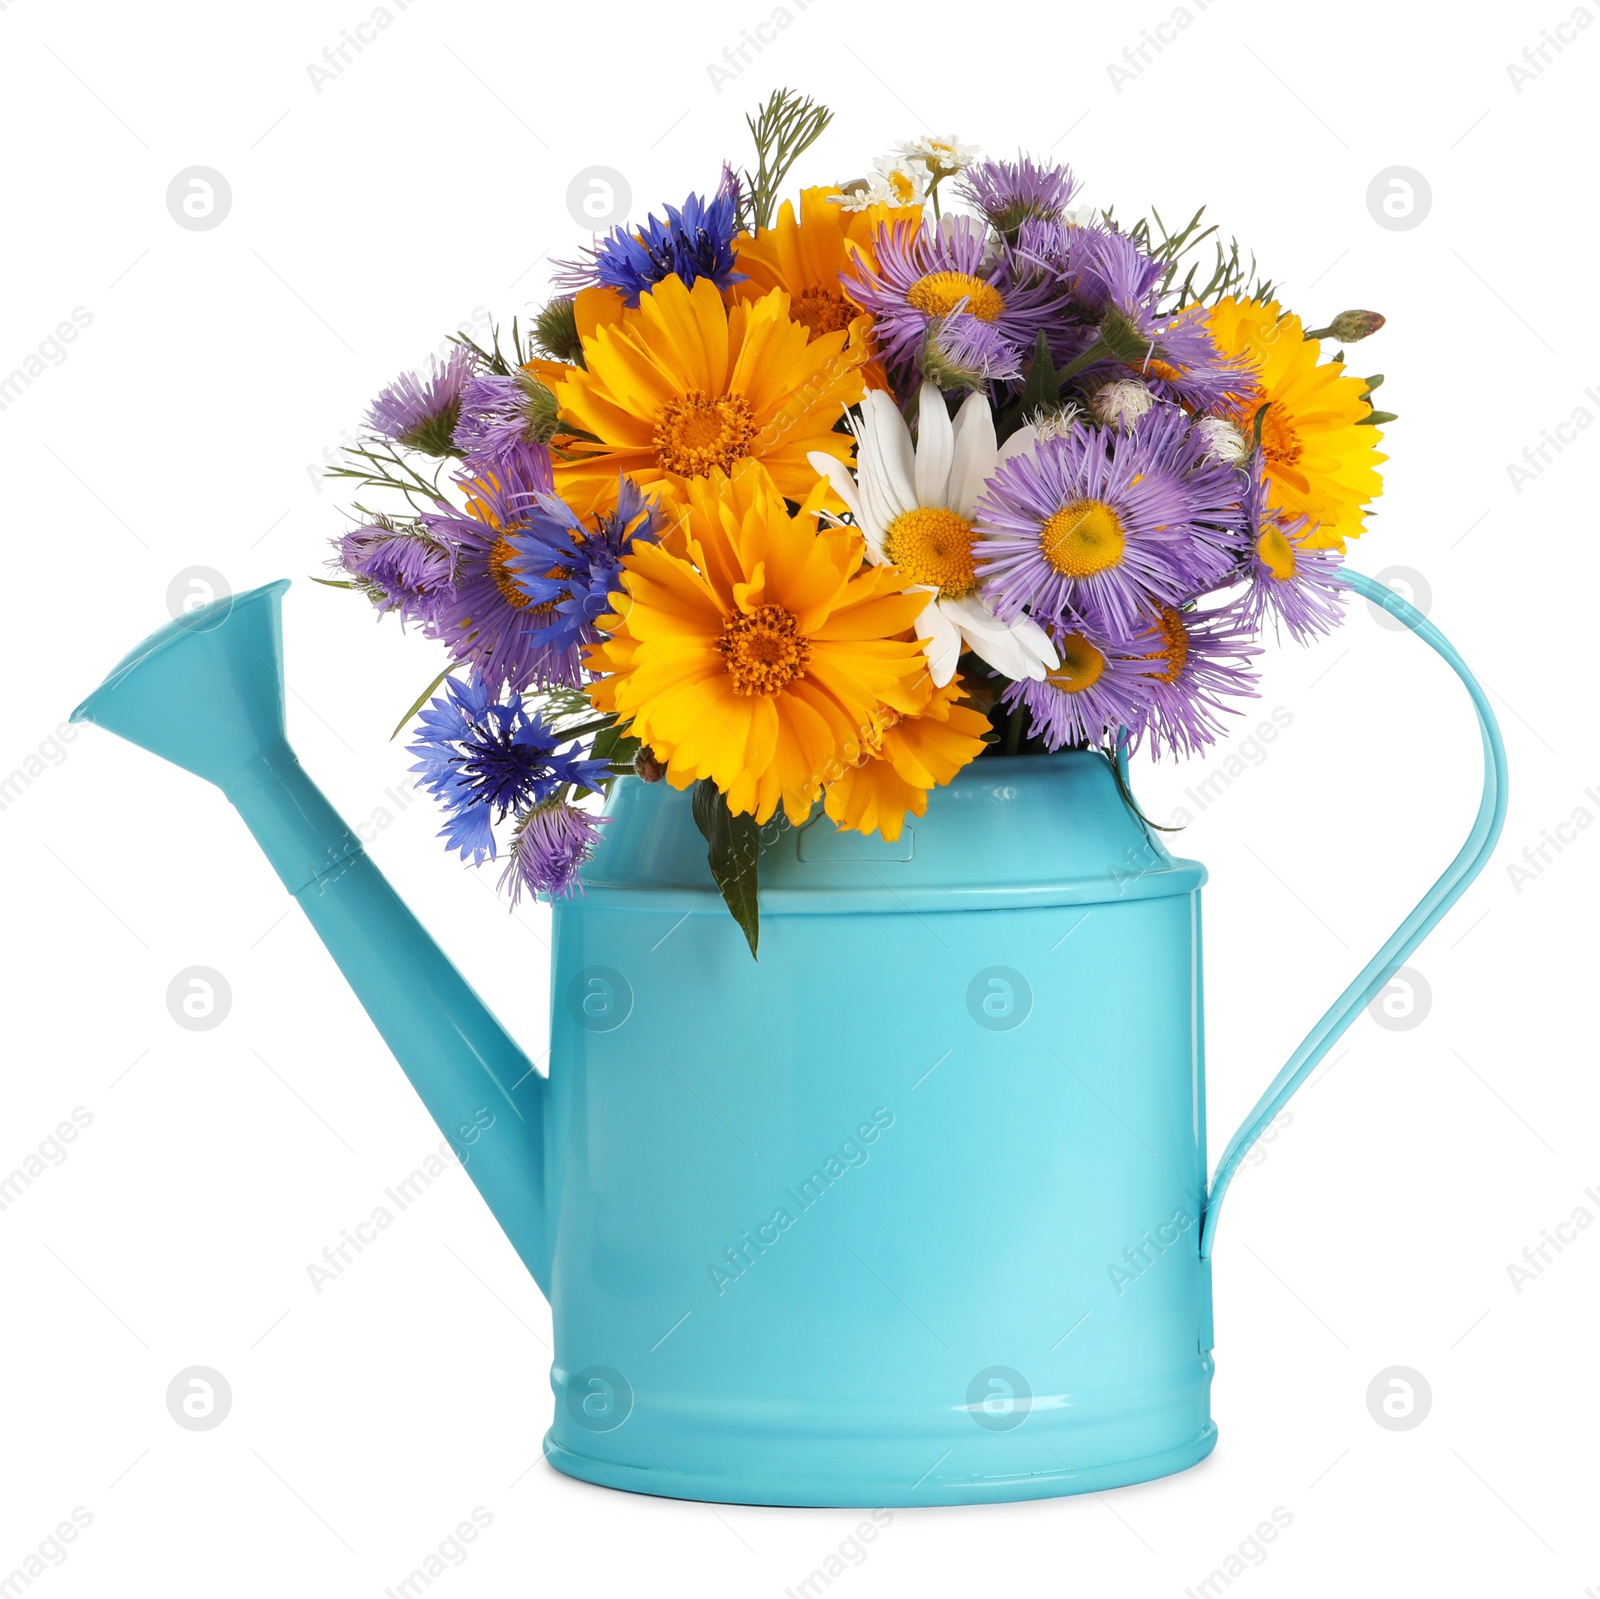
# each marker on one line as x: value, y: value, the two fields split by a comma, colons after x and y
x: 1223, y: 441
x: 1350, y: 326
x: 646, y: 767
x: 1121, y: 403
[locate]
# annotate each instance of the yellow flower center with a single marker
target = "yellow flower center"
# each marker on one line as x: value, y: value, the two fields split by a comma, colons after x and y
x: 939, y: 293
x: 823, y: 311
x: 1174, y: 652
x: 695, y: 433
x: 1083, y: 538
x: 501, y: 555
x: 1277, y: 553
x: 904, y: 186
x: 1280, y: 442
x: 764, y: 650
x: 1081, y: 665
x: 933, y: 546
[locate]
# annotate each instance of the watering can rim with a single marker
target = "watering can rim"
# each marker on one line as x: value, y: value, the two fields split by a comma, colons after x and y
x: 199, y: 619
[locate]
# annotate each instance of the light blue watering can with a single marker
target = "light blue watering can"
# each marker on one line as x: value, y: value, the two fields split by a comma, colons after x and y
x: 912, y: 1212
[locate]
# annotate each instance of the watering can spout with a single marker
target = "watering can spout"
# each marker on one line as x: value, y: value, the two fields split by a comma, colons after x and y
x: 206, y: 692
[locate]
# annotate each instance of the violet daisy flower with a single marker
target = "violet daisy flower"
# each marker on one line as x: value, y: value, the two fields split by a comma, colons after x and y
x: 1119, y: 286
x: 482, y: 759
x: 694, y: 241
x: 1100, y: 685
x: 548, y: 846
x: 1010, y: 193
x: 1198, y: 660
x: 499, y: 412
x: 1098, y: 525
x: 420, y: 412
x: 399, y: 568
x: 926, y: 276
x: 1298, y: 587
x: 568, y: 571
x: 488, y: 620
x: 961, y: 352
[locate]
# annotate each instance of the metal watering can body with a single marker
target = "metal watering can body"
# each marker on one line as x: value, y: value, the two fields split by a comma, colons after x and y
x: 912, y: 1211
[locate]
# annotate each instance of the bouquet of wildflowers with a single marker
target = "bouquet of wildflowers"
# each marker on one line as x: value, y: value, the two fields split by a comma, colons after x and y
x: 808, y: 505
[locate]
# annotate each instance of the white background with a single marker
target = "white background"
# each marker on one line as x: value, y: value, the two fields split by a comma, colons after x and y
x: 368, y: 218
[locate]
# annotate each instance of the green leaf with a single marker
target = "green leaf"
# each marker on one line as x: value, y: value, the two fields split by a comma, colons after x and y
x: 614, y: 745
x: 333, y: 583
x: 1374, y: 418
x: 1042, y: 391
x: 1261, y: 417
x: 422, y: 699
x: 733, y: 852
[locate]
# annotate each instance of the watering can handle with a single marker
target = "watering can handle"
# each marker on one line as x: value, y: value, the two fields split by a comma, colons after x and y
x: 1429, y: 910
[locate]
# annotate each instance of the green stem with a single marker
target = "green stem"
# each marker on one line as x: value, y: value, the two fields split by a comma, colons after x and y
x: 1014, y: 731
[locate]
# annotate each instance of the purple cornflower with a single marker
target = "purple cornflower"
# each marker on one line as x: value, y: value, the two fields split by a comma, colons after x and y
x: 568, y: 571
x: 398, y: 568
x: 1298, y: 587
x: 694, y: 241
x: 1098, y: 525
x: 549, y: 845
x: 1010, y: 193
x: 926, y: 276
x: 488, y: 620
x: 1198, y: 660
x: 420, y: 412
x: 499, y: 412
x: 482, y: 758
x: 1100, y: 685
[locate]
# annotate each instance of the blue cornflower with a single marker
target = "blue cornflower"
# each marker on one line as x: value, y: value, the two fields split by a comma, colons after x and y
x: 483, y: 758
x: 568, y: 571
x: 695, y: 241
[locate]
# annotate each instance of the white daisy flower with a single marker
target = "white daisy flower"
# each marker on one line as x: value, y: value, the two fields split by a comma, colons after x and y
x: 914, y: 507
x: 943, y: 157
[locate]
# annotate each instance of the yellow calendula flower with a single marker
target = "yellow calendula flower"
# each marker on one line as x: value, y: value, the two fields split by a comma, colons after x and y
x: 1321, y: 459
x: 804, y: 256
x: 685, y: 386
x: 905, y: 757
x: 755, y: 647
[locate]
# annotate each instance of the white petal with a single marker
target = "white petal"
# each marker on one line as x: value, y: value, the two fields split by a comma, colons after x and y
x: 975, y: 454
x: 885, y: 441
x: 1025, y: 438
x: 943, y: 639
x: 935, y: 447
x: 838, y: 474
x: 1014, y: 650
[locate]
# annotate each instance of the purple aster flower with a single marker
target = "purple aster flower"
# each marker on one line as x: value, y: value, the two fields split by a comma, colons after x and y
x: 488, y: 620
x: 399, y: 568
x: 568, y: 571
x: 1099, y: 524
x: 694, y: 241
x: 499, y: 412
x: 1117, y: 284
x: 1298, y: 587
x: 420, y: 412
x: 963, y: 353
x: 927, y: 276
x: 1100, y: 685
x: 1198, y: 660
x: 549, y: 845
x: 481, y: 758
x: 1010, y: 193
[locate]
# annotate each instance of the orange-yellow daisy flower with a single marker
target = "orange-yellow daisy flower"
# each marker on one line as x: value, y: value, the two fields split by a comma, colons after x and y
x: 906, y: 757
x: 759, y: 650
x: 804, y: 258
x: 685, y: 385
x: 1321, y: 459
